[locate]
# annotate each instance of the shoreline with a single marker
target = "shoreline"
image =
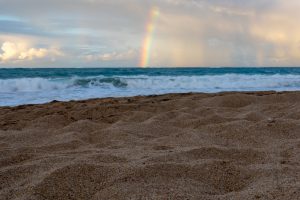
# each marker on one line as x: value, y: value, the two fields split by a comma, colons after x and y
x: 229, y: 145
x: 263, y: 92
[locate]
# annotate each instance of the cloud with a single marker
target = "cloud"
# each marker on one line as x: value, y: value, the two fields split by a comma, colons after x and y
x: 21, y: 52
x: 13, y: 26
x: 189, y: 32
x: 130, y: 54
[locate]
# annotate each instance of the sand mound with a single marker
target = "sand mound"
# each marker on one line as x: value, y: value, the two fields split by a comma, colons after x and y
x: 175, y: 146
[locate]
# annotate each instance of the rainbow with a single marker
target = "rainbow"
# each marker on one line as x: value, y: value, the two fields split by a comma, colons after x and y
x: 147, y: 44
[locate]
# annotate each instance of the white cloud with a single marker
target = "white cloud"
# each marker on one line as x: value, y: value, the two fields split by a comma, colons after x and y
x: 130, y: 54
x: 12, y: 51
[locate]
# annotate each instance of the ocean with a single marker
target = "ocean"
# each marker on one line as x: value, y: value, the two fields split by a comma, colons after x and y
x: 35, y: 86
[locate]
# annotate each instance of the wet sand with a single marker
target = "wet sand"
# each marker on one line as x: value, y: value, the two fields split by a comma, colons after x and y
x: 175, y: 146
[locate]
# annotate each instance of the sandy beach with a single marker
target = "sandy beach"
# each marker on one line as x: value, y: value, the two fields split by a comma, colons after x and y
x: 174, y: 146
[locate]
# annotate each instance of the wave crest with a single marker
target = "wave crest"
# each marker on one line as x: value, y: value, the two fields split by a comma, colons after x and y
x: 205, y: 83
x: 40, y: 90
x: 43, y: 84
x: 90, y: 82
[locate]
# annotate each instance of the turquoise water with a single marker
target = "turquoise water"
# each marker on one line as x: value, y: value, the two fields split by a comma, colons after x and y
x: 27, y: 86
x: 86, y: 72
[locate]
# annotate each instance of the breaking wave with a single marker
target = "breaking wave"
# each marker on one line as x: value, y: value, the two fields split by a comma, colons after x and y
x: 184, y: 83
x: 39, y: 90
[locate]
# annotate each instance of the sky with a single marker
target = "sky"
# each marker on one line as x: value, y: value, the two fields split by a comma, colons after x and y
x: 144, y: 33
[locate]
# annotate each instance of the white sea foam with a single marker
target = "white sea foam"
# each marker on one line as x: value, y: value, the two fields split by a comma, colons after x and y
x: 40, y: 90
